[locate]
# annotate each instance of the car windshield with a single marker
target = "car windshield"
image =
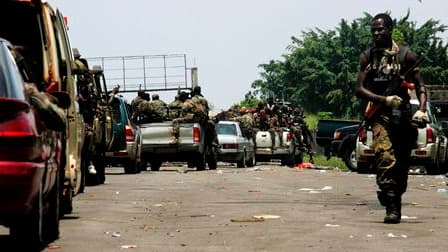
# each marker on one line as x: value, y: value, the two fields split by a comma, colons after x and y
x: 11, y: 83
x: 441, y: 112
x: 226, y: 129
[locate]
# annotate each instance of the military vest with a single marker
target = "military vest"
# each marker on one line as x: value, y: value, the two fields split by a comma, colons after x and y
x: 383, y: 75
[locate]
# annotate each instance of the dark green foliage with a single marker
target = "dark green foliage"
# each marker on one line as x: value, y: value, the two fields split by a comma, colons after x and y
x: 319, y: 70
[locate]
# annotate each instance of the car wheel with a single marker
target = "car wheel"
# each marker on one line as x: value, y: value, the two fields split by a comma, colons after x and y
x: 251, y: 161
x: 67, y: 200
x: 349, y: 158
x: 131, y: 167
x: 28, y: 230
x: 242, y: 162
x: 212, y: 159
x: 51, y: 219
x: 155, y: 165
x: 434, y: 168
x: 200, y: 162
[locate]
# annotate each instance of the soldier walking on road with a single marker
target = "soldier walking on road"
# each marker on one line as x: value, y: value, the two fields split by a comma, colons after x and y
x: 381, y: 69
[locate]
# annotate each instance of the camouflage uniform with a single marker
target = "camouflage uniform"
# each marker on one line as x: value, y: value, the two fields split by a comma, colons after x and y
x: 247, y: 123
x: 189, y: 113
x: 175, y: 108
x: 160, y: 109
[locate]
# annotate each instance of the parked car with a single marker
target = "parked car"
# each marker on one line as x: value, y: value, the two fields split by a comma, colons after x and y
x: 431, y: 151
x: 30, y: 167
x: 125, y: 148
x: 234, y: 146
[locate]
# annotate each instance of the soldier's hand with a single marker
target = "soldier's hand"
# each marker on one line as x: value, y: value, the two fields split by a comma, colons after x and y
x: 420, y: 116
x: 393, y: 101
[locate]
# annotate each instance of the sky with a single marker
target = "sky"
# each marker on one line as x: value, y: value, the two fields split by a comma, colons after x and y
x: 225, y: 40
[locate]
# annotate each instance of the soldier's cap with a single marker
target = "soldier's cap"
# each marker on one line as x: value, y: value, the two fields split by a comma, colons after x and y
x: 155, y: 96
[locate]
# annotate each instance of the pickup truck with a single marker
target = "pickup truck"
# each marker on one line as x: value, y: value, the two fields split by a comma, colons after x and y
x: 286, y: 152
x: 431, y: 150
x: 157, y: 146
x: 325, y: 130
x: 343, y: 145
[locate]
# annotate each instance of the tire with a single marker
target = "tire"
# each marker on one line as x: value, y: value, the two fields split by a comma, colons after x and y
x: 131, y: 167
x: 99, y: 177
x: 434, y: 168
x: 155, y: 165
x: 349, y: 158
x: 200, y: 162
x: 67, y: 200
x: 251, y: 161
x: 51, y: 219
x: 242, y: 162
x: 28, y: 231
x: 212, y: 159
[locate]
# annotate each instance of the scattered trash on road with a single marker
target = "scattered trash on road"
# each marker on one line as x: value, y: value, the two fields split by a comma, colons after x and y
x: 254, y: 191
x: 305, y: 165
x: 391, y: 235
x: 332, y: 225
x: 219, y: 172
x: 442, y: 190
x: 314, y: 190
x: 128, y: 246
x: 116, y: 234
x: 266, y: 216
x: 369, y: 236
x: 157, y: 205
x: 247, y: 219
x: 404, y: 217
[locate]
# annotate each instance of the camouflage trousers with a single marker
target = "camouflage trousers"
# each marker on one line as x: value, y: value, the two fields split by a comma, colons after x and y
x: 392, y: 144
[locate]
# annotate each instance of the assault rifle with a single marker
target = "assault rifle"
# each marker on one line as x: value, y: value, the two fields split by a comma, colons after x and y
x: 373, y: 107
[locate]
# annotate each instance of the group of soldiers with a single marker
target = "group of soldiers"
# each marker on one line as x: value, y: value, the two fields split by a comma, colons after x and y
x: 185, y: 107
x: 273, y: 117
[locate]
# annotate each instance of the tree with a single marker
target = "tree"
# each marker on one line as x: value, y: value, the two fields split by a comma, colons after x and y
x: 319, y: 69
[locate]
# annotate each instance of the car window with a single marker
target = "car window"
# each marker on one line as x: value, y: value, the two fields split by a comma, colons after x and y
x: 441, y: 112
x: 116, y: 112
x: 226, y: 129
x: 11, y: 83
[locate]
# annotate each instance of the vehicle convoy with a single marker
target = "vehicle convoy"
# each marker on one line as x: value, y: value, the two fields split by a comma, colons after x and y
x: 97, y: 113
x: 30, y: 165
x: 234, y: 146
x: 38, y: 32
x: 431, y: 147
x: 325, y: 132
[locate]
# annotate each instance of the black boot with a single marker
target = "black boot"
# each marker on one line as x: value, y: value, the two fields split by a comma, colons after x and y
x: 393, y: 208
x: 382, y: 197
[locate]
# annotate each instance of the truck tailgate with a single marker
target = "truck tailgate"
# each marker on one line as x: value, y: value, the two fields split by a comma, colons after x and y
x: 162, y: 133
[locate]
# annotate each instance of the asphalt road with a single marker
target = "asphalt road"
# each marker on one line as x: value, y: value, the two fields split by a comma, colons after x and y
x: 304, y: 210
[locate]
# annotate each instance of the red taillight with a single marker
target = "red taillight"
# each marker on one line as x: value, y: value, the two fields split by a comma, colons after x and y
x: 22, y: 125
x: 196, y: 135
x: 430, y: 136
x: 289, y: 137
x: 230, y: 146
x: 129, y: 134
x: 362, y: 133
x: 336, y: 134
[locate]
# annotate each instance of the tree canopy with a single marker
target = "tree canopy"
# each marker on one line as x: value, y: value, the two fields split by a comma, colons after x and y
x: 319, y: 69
